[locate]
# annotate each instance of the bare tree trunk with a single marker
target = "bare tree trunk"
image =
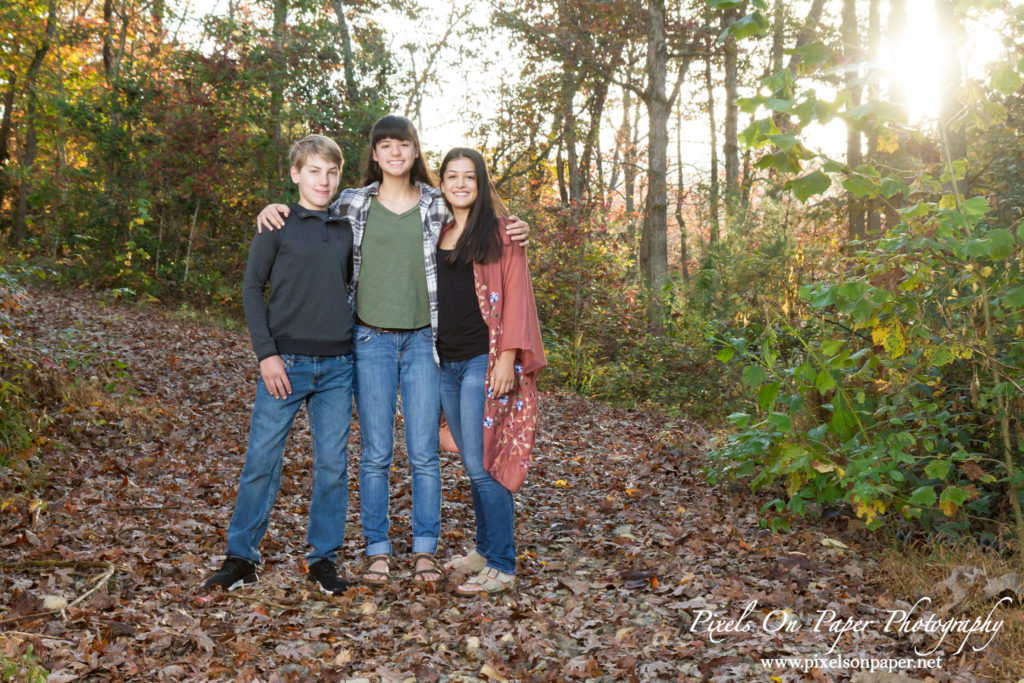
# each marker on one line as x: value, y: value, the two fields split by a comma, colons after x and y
x: 351, y: 88
x: 874, y: 218
x: 569, y: 135
x: 5, y: 126
x: 654, y: 242
x: 28, y: 157
x: 730, y: 146
x: 684, y: 257
x: 778, y: 36
x: 570, y: 71
x: 191, y: 240
x: 854, y: 155
x: 277, y: 97
x: 5, y: 131
x: 563, y: 192
x: 714, y: 228
x: 591, y: 158
x: 629, y: 156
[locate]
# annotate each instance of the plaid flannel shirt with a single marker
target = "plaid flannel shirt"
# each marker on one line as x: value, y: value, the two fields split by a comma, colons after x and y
x: 354, y: 203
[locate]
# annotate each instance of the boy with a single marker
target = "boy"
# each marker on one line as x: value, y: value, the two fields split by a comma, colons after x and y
x: 302, y: 337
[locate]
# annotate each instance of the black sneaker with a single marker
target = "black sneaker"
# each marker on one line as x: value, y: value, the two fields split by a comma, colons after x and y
x: 326, y: 576
x: 234, y: 573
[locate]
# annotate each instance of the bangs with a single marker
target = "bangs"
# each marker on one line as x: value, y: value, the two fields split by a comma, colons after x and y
x: 394, y: 127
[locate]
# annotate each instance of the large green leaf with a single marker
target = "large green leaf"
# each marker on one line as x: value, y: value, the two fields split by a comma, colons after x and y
x: 809, y: 185
x: 767, y: 395
x: 937, y: 469
x: 1003, y: 244
x: 892, y: 185
x: 781, y: 421
x: 924, y: 495
x: 751, y: 25
x: 753, y: 375
x: 857, y: 186
x: 825, y: 381
x: 975, y: 207
x: 1006, y: 80
x: 1014, y: 298
x: 749, y: 105
x: 784, y: 162
x: 811, y: 53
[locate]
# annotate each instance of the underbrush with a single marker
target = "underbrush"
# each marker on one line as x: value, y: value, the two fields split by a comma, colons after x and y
x: 965, y: 581
x: 39, y: 386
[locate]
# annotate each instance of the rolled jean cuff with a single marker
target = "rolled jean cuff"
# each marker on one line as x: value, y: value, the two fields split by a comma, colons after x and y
x: 424, y: 544
x: 378, y: 548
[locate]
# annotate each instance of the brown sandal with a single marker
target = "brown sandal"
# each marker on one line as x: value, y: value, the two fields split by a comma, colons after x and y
x: 434, y: 568
x: 374, y: 577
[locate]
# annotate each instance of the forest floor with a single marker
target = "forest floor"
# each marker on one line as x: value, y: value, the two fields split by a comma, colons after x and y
x: 625, y: 549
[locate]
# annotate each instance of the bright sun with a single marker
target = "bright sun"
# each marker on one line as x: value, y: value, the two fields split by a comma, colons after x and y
x: 916, y: 58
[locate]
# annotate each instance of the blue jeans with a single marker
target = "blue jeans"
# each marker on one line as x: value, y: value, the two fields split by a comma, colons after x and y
x: 387, y: 362
x: 324, y: 384
x: 462, y: 397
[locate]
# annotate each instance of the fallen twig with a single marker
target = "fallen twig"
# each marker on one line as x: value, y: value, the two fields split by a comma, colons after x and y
x: 100, y: 582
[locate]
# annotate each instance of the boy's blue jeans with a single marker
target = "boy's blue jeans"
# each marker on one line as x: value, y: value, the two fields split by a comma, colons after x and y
x: 387, y: 362
x: 462, y: 397
x: 324, y: 384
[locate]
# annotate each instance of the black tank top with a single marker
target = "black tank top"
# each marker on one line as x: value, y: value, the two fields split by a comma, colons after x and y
x: 461, y: 331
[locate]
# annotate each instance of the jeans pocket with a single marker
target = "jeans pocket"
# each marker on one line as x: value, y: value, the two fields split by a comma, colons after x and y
x: 363, y: 334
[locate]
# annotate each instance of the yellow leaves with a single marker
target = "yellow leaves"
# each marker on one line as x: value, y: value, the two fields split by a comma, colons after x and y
x: 825, y: 467
x: 891, y: 337
x: 888, y: 141
x: 561, y: 484
x: 948, y: 506
x: 632, y: 492
x: 961, y: 351
x: 869, y: 510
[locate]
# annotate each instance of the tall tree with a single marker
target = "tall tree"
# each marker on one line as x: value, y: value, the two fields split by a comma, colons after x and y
x: 713, y: 185
x: 730, y: 54
x: 351, y: 89
x: 28, y: 155
x: 854, y: 154
x: 277, y: 82
x: 874, y: 218
x: 654, y: 239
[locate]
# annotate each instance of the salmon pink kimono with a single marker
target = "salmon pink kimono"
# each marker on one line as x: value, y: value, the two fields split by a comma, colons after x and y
x: 506, y: 301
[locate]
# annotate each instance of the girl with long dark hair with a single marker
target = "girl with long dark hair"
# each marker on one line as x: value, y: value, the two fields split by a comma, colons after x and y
x: 490, y: 348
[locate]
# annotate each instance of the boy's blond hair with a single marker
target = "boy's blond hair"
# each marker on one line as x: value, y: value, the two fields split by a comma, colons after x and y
x: 320, y: 145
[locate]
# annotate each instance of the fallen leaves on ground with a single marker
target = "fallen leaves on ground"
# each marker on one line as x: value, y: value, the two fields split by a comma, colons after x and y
x: 622, y: 543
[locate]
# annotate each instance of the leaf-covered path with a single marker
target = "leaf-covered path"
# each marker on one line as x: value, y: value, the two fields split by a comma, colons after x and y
x: 621, y: 541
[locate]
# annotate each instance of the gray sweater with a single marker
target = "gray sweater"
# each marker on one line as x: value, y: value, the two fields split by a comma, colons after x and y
x: 308, y: 265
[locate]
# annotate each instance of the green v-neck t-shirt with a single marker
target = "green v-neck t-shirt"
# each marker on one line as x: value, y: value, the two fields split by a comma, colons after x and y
x: 392, y: 289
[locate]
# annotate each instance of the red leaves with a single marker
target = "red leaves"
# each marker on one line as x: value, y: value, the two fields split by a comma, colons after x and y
x: 612, y: 565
